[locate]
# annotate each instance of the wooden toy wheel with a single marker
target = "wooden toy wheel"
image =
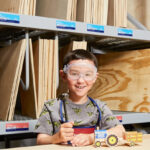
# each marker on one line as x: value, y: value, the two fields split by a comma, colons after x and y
x: 98, y: 144
x: 112, y: 140
x: 132, y: 143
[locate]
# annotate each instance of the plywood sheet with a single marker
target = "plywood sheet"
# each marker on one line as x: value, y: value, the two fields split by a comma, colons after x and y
x: 16, y: 83
x: 9, y: 60
x: 62, y: 9
x: 123, y: 81
x: 26, y: 7
x: 117, y: 13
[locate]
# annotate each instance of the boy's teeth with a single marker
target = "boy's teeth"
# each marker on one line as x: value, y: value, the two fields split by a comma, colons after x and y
x: 80, y: 87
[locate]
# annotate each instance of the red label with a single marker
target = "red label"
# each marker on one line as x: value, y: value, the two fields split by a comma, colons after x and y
x: 17, y: 126
x: 119, y: 118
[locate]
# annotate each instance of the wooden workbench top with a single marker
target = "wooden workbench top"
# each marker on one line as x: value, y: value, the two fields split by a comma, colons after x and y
x: 145, y: 145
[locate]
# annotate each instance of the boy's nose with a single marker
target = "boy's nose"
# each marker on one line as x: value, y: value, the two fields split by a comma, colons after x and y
x: 81, y: 78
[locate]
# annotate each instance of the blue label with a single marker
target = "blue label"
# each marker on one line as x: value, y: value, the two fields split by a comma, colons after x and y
x: 17, y: 129
x: 10, y: 18
x: 125, y: 32
x: 100, y: 134
x: 65, y: 25
x: 95, y: 28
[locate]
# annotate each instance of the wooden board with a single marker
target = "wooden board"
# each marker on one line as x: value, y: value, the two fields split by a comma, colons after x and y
x: 123, y: 81
x: 29, y: 97
x: 38, y: 55
x: 50, y: 56
x: 117, y: 13
x: 62, y: 9
x: 79, y: 45
x: 16, y: 83
x: 92, y: 11
x: 140, y: 146
x: 9, y: 61
x: 26, y: 7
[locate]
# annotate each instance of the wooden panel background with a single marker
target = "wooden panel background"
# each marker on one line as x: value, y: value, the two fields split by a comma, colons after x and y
x: 124, y: 80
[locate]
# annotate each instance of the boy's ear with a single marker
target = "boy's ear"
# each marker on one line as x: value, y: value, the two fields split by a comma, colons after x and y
x: 62, y: 74
x: 96, y: 77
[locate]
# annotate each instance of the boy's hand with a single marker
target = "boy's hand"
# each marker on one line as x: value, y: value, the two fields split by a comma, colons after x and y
x: 82, y: 139
x: 66, y: 132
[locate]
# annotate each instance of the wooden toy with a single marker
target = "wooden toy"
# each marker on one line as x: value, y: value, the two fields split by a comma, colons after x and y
x: 103, y: 138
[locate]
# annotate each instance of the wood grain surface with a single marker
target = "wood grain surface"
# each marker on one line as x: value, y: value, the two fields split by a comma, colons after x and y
x: 123, y: 81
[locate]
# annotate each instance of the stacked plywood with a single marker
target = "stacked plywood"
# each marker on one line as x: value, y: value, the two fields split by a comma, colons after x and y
x: 92, y: 11
x: 62, y: 9
x: 18, y: 6
x: 11, y: 62
x: 117, y: 13
x: 123, y: 81
x: 45, y: 54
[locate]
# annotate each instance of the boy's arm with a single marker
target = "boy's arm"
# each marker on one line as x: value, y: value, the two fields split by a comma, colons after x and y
x: 65, y: 134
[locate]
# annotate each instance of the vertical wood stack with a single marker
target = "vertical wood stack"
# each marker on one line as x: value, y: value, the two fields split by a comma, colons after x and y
x: 11, y: 62
x: 92, y: 11
x: 26, y: 7
x: 62, y: 9
x: 45, y: 54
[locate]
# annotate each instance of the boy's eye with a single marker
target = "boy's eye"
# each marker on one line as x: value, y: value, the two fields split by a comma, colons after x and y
x: 89, y: 74
x: 74, y: 73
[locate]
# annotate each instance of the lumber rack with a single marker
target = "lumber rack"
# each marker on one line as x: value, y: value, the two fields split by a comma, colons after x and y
x: 106, y: 38
x: 98, y: 36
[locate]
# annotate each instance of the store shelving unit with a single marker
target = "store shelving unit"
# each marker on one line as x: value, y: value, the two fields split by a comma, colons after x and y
x: 101, y: 37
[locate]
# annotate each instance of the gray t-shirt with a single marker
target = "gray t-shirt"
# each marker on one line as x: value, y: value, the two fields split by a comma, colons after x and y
x: 86, y: 114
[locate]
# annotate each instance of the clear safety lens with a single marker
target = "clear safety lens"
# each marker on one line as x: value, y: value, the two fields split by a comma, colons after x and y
x: 74, y: 71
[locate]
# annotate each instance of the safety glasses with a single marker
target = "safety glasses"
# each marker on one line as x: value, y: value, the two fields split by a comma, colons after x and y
x: 80, y: 70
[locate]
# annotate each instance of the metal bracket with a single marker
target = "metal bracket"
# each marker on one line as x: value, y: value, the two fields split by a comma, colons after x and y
x: 26, y: 85
x: 57, y: 83
x: 136, y: 22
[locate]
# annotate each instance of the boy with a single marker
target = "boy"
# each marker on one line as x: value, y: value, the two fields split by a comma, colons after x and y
x: 73, y: 117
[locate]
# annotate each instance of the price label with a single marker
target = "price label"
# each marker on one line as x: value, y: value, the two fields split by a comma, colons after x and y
x: 17, y: 127
x: 125, y: 32
x: 60, y: 24
x: 119, y: 118
x: 95, y: 28
x: 10, y: 18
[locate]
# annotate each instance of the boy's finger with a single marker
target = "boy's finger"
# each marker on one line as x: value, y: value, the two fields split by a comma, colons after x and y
x: 67, y: 124
x: 67, y: 130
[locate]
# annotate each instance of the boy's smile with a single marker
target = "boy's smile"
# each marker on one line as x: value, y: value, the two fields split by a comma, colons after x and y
x: 80, y: 77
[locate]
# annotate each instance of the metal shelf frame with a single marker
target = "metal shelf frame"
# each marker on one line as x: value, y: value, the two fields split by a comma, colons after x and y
x: 106, y: 37
x: 125, y: 118
x: 49, y: 24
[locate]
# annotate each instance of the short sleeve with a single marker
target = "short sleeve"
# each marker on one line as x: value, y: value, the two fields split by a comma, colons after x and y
x: 108, y: 120
x: 44, y: 124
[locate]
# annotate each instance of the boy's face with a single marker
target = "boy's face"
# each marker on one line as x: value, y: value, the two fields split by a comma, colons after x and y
x: 80, y: 77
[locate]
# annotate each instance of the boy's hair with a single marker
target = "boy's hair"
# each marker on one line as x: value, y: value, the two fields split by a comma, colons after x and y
x: 79, y: 54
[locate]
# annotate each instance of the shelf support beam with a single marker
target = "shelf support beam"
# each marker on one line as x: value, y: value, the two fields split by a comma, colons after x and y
x: 25, y: 85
